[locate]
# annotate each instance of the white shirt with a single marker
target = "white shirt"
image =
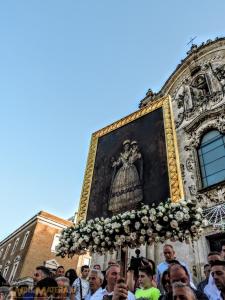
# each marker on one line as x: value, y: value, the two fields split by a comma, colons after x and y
x: 129, y: 297
x: 211, y: 290
x: 84, y: 285
x: 96, y: 296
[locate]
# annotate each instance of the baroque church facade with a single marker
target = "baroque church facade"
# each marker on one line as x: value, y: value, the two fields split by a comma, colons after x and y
x: 197, y: 91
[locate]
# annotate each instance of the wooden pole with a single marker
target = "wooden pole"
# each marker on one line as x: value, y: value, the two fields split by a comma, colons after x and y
x: 123, y: 261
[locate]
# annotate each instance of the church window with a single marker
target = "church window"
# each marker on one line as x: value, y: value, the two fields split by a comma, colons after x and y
x: 6, y: 251
x: 15, y: 246
x: 6, y: 269
x: 25, y: 239
x: 55, y: 242
x: 14, y: 268
x: 211, y: 155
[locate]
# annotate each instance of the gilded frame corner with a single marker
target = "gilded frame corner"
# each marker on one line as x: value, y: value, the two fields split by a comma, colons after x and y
x: 175, y: 181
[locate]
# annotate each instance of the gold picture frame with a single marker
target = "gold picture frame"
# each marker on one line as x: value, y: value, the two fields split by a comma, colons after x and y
x: 173, y: 164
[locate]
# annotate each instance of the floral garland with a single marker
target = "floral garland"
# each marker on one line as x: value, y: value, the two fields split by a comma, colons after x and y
x: 180, y: 221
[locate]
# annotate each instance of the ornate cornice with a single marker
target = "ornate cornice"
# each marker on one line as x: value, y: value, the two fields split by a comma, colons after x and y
x: 194, y: 54
x: 204, y: 116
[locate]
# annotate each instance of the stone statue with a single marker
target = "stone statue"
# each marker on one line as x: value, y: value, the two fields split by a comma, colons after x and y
x: 186, y: 96
x: 220, y: 74
x: 126, y: 189
x: 203, y: 87
x: 213, y: 83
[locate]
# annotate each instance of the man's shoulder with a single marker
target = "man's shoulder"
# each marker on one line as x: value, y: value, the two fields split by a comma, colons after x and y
x: 76, y: 281
x: 162, y: 265
x: 200, y: 295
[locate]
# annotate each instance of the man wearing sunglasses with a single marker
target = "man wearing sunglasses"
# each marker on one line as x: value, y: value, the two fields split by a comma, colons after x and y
x: 40, y: 273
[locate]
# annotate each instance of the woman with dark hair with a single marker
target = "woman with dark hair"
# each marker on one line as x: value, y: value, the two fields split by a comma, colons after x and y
x: 152, y: 265
x: 72, y: 275
x: 165, y: 283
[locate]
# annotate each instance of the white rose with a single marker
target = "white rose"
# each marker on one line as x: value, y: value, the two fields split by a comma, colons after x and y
x: 122, y: 238
x: 96, y: 240
x: 127, y: 222
x: 199, y: 210
x: 152, y: 218
x: 152, y: 211
x: 198, y: 216
x: 86, y: 238
x: 149, y: 232
x: 157, y: 239
x: 142, y: 239
x: 143, y: 231
x: 165, y: 219
x: 174, y: 224
x: 128, y: 238
x: 137, y: 225
x: 185, y: 210
x: 193, y: 228
x: 186, y: 217
x: 98, y: 227
x: 133, y: 235
x: 80, y: 240
x: 144, y: 220
x: 179, y: 216
x: 168, y: 234
x: 205, y: 222
x: 158, y: 227
x: 94, y: 233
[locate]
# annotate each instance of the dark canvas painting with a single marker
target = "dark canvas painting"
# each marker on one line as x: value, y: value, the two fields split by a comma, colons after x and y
x: 130, y: 167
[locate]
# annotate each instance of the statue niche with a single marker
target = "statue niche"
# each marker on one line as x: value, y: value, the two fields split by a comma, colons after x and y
x: 197, y: 92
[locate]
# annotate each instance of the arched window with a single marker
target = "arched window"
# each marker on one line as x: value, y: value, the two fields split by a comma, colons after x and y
x: 14, y: 268
x: 6, y: 251
x: 15, y: 246
x: 211, y: 155
x: 25, y: 240
x: 1, y: 252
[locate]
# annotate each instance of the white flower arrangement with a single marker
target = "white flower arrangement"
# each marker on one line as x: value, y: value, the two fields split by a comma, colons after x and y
x: 179, y: 221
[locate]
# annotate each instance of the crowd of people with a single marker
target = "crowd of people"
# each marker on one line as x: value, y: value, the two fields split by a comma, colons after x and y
x: 171, y: 279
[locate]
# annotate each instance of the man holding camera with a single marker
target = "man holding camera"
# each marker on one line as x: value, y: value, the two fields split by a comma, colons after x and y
x: 115, y: 287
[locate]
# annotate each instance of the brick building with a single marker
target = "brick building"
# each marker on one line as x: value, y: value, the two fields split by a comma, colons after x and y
x: 31, y: 245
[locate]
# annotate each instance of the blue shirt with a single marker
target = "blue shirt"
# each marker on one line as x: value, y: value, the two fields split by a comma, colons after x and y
x: 163, y: 266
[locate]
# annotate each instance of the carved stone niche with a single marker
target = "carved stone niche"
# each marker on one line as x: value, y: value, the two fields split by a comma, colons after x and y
x: 211, y: 195
x: 202, y: 91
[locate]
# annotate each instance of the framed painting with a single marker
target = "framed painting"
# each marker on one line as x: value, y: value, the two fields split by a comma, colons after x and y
x: 132, y: 161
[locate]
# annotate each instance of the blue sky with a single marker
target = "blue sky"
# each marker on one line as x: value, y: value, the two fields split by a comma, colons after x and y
x: 68, y: 68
